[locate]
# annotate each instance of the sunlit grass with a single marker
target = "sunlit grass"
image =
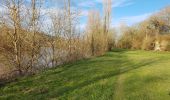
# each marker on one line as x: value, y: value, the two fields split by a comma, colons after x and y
x: 118, y: 75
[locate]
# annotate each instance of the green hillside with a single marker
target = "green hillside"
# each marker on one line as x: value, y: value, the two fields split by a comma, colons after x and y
x: 118, y: 75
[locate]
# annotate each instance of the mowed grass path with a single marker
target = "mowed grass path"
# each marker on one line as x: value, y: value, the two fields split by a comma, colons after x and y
x: 118, y: 75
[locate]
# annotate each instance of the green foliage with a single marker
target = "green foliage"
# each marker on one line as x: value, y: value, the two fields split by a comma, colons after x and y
x: 118, y: 75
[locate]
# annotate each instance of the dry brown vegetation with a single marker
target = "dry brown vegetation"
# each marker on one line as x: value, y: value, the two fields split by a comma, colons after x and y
x: 151, y: 34
x: 25, y: 48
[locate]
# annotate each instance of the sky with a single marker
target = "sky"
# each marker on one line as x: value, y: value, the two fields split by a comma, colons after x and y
x: 129, y: 12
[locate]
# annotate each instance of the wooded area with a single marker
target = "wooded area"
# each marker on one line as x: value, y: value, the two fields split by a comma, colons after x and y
x: 151, y: 34
x: 27, y: 47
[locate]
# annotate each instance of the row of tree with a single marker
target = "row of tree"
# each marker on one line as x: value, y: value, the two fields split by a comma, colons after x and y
x: 151, y: 34
x: 26, y: 46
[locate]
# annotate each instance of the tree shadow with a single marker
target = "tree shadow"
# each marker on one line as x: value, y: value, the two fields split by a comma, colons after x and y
x: 122, y: 60
x: 118, y: 60
x: 88, y: 61
x: 67, y: 90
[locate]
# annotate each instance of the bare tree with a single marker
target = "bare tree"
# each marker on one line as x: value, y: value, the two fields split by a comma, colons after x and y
x: 14, y: 9
x: 56, y: 30
x: 95, y: 34
x: 71, y: 17
x: 22, y: 40
x: 107, y: 20
x: 34, y: 26
x: 68, y: 22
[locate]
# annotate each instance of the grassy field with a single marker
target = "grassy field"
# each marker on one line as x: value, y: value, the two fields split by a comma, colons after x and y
x: 118, y: 75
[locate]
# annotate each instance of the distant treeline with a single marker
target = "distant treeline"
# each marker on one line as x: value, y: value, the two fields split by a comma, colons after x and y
x: 151, y: 34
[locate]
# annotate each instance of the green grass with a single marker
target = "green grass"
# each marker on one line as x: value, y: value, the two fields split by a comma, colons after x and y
x: 118, y: 75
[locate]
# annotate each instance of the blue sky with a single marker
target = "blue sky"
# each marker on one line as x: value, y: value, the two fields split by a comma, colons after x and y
x: 137, y: 10
x: 127, y: 11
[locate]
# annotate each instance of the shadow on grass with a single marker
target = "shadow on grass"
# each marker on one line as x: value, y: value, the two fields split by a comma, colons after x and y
x: 119, y: 50
x: 117, y: 58
x: 85, y: 62
x: 121, y: 60
x: 88, y: 61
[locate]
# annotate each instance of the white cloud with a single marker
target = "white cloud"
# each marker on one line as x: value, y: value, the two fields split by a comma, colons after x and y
x: 94, y: 3
x: 131, y: 20
x: 91, y: 4
x: 84, y: 13
x: 87, y: 3
x: 2, y: 9
x: 82, y: 26
x: 118, y: 3
x: 121, y: 3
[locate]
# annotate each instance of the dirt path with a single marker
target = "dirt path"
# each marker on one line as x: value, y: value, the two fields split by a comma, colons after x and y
x: 119, y: 89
